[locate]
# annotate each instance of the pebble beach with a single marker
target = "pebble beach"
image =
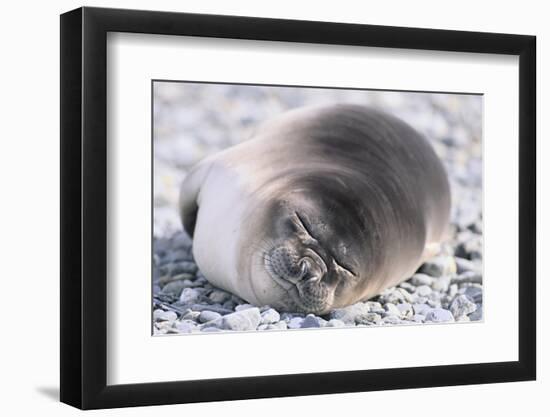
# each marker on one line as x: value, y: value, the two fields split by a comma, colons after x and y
x: 192, y: 121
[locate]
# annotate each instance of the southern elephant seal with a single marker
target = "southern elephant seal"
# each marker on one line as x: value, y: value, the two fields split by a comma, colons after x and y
x: 323, y: 207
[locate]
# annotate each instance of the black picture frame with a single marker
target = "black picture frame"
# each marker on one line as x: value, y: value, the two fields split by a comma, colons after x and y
x: 84, y: 207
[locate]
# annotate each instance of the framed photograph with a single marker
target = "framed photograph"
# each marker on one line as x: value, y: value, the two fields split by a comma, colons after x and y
x: 257, y: 208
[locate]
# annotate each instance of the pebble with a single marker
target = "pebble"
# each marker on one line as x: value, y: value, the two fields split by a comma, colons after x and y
x: 243, y: 320
x: 396, y: 296
x: 207, y: 315
x: 478, y: 314
x: 472, y: 291
x: 423, y: 290
x: 462, y: 306
x: 295, y: 323
x: 439, y: 266
x: 453, y: 289
x: 405, y: 310
x: 408, y: 287
x: 173, y: 288
x: 442, y: 283
x: 335, y: 323
x: 189, y: 295
x: 310, y: 321
x: 242, y: 307
x: 439, y: 315
x: 391, y: 309
x: 368, y: 318
x: 465, y: 265
x: 219, y: 297
x: 375, y: 307
x: 280, y: 325
x: 348, y: 314
x: 186, y: 326
x: 468, y: 276
x: 184, y: 267
x: 167, y: 316
x: 391, y: 319
x: 270, y: 316
x: 191, y: 315
x: 421, y: 279
x: 421, y: 308
x: 418, y: 318
x: 212, y: 307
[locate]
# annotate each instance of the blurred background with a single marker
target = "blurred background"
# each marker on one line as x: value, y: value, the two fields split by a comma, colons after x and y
x: 194, y: 120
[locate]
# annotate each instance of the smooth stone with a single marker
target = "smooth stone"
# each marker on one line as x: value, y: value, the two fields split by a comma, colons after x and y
x: 442, y: 283
x: 423, y: 290
x: 181, y: 240
x: 219, y: 297
x: 189, y: 295
x: 348, y: 314
x: 439, y: 266
x: 165, y: 279
x: 207, y: 315
x: 157, y: 314
x: 242, y: 307
x: 184, y: 267
x: 295, y: 323
x: 465, y: 265
x: 419, y: 300
x: 474, y: 292
x: 434, y: 303
x: 212, y: 307
x: 270, y: 316
x: 375, y: 307
x: 418, y: 318
x: 453, y: 289
x: 368, y: 318
x: 179, y: 256
x: 439, y: 315
x: 391, y: 309
x: 478, y: 314
x: 421, y: 309
x: 421, y: 279
x: 335, y: 323
x: 173, y: 288
x: 168, y: 316
x: 405, y: 310
x: 468, y: 276
x: 229, y: 305
x: 248, y: 319
x: 281, y: 325
x: 408, y: 287
x: 186, y: 326
x: 310, y: 321
x: 191, y: 315
x: 289, y: 316
x: 391, y: 319
x: 462, y: 305
x: 396, y: 296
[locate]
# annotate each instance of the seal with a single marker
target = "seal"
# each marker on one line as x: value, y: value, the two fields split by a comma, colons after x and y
x: 323, y: 207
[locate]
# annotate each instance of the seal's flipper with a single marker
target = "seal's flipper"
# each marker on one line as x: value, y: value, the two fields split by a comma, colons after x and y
x: 189, y: 201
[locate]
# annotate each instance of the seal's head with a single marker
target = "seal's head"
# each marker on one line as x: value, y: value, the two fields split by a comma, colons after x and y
x: 314, y: 250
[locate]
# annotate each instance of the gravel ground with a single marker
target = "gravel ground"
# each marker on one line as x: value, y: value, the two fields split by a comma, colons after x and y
x: 192, y: 121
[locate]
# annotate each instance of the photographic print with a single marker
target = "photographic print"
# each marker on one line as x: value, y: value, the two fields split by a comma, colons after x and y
x: 283, y: 208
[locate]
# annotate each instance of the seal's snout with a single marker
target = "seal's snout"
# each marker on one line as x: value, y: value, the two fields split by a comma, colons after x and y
x: 285, y: 263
